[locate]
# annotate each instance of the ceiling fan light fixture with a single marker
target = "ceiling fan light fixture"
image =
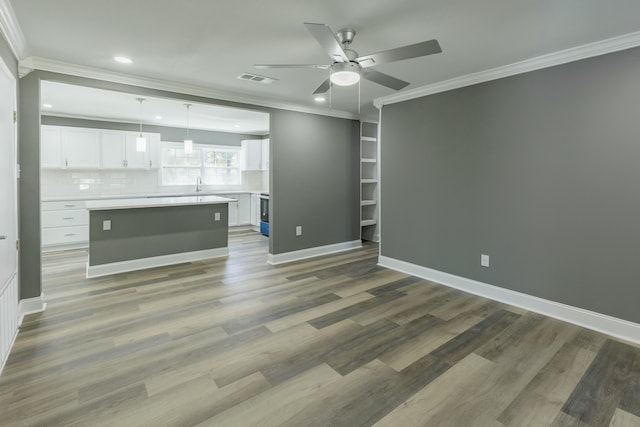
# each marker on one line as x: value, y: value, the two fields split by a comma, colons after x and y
x: 345, y: 73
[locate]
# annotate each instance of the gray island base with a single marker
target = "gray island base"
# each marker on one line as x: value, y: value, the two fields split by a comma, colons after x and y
x: 134, y: 234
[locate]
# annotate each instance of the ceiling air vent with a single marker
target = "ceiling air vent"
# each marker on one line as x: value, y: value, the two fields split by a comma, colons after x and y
x: 256, y: 78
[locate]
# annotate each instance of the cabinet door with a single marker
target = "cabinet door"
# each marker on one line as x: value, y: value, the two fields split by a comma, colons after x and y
x: 50, y: 149
x: 153, y: 143
x: 80, y: 148
x: 254, y: 210
x: 251, y: 150
x: 233, y: 213
x: 111, y: 143
x: 244, y: 209
x: 135, y: 159
x: 265, y: 154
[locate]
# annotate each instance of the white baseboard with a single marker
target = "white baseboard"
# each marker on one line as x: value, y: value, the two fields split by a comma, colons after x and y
x: 157, y: 261
x: 312, y: 252
x: 609, y: 325
x: 30, y: 306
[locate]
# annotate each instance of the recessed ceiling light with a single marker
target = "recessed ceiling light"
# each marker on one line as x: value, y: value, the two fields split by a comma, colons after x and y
x: 47, y: 106
x: 236, y: 125
x: 319, y: 99
x: 122, y: 59
x: 158, y: 117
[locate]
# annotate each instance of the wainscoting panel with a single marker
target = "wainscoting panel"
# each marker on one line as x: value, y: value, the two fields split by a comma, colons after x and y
x: 8, y: 319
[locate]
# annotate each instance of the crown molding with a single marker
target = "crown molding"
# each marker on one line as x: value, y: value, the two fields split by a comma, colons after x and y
x: 11, y: 30
x: 590, y: 50
x: 32, y: 63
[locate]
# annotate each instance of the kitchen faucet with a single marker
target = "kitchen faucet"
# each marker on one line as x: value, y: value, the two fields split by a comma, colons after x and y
x: 198, y: 185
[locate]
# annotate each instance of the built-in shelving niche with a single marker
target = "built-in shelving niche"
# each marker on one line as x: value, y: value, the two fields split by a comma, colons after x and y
x: 369, y: 185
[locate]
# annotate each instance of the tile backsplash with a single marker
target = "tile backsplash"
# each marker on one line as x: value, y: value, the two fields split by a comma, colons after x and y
x: 61, y: 183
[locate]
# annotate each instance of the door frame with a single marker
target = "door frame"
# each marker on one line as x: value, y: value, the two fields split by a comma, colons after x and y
x: 14, y: 158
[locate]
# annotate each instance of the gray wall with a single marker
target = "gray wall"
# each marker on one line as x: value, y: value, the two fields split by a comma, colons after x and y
x: 169, y: 134
x: 7, y: 56
x: 327, y: 173
x: 541, y: 171
x: 314, y: 181
x: 148, y: 232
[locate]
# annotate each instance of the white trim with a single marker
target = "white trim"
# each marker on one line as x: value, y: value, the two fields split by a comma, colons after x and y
x: 30, y: 306
x: 156, y: 261
x: 598, y: 48
x: 11, y: 30
x: 312, y: 252
x: 609, y: 325
x: 27, y: 65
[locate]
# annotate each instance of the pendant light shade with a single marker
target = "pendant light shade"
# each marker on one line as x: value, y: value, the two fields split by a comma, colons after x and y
x: 188, y: 143
x: 141, y: 142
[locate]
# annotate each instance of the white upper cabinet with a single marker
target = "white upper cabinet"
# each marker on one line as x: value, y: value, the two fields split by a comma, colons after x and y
x: 265, y: 155
x: 119, y: 150
x: 50, y: 147
x: 80, y: 148
x: 135, y: 159
x: 153, y: 146
x: 251, y: 158
x: 112, y: 142
x: 255, y: 155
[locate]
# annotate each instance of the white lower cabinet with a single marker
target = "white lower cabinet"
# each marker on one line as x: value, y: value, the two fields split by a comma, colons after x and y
x: 255, y: 209
x: 244, y: 209
x: 65, y: 225
x: 233, y: 213
x: 239, y: 209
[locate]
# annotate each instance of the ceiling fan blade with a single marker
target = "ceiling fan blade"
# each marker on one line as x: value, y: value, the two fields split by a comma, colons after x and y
x: 398, y: 54
x: 323, y: 87
x: 316, y: 66
x: 328, y: 41
x: 383, y: 79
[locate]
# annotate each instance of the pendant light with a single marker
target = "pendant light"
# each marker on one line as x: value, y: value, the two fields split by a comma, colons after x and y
x: 141, y: 142
x: 188, y: 143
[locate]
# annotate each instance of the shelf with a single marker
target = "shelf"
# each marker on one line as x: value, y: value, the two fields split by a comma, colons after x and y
x: 369, y: 181
x: 366, y: 222
x: 363, y: 160
x: 368, y: 202
x: 368, y: 138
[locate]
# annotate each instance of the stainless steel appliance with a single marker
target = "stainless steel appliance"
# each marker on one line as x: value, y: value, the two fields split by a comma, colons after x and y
x: 264, y: 213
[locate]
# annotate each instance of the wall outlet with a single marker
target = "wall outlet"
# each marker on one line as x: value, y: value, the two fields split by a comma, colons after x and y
x: 216, y: 216
x: 298, y: 230
x: 484, y: 260
x: 106, y: 225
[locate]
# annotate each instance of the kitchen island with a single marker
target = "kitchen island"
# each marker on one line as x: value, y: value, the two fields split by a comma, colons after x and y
x: 134, y: 234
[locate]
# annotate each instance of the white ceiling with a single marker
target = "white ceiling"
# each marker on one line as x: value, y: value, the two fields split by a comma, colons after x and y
x: 61, y: 99
x: 209, y: 43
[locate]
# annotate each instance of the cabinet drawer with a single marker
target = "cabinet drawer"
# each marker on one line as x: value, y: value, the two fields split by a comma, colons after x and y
x: 64, y: 235
x: 65, y: 218
x: 71, y: 204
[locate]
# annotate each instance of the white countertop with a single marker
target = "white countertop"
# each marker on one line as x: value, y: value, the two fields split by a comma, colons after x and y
x: 154, y: 202
x: 148, y: 195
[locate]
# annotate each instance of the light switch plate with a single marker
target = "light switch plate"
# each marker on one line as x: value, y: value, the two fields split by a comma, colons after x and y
x: 298, y: 230
x: 106, y: 225
x: 216, y: 216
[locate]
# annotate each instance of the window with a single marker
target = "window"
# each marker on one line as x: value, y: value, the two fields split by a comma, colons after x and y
x: 214, y: 164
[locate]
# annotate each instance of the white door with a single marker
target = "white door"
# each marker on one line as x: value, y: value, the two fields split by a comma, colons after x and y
x: 8, y: 178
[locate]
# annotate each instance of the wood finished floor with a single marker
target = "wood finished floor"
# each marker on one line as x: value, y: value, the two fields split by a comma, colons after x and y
x: 333, y: 341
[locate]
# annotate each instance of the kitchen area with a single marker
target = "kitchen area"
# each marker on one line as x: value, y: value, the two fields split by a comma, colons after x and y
x: 103, y: 150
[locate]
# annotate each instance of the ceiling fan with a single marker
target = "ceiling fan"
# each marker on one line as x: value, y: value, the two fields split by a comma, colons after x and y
x: 348, y: 67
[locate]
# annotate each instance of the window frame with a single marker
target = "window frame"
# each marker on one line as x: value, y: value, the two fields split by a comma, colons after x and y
x: 202, y: 167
